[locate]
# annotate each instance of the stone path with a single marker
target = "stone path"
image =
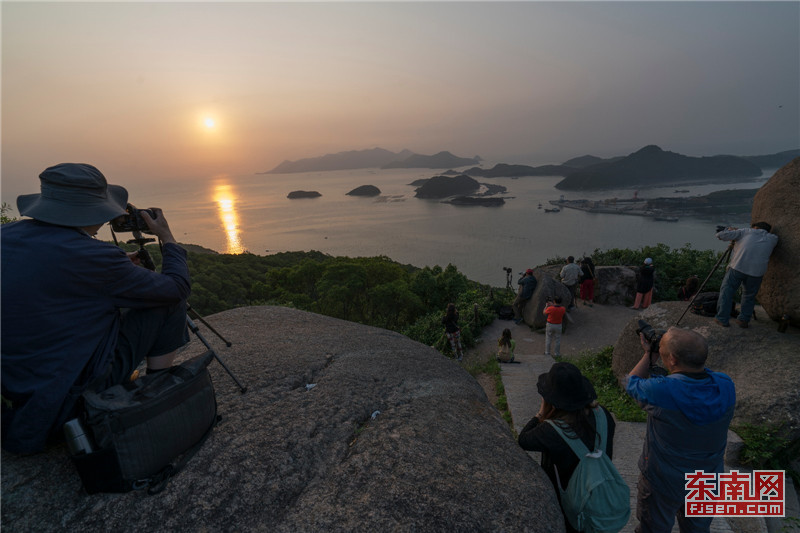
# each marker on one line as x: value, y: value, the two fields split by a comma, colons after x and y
x: 591, y: 329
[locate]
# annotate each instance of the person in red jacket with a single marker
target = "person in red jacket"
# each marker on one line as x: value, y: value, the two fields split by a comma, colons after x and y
x: 554, y: 312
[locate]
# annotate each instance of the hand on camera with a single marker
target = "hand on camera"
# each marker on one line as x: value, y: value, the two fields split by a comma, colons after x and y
x: 134, y: 257
x: 158, y: 225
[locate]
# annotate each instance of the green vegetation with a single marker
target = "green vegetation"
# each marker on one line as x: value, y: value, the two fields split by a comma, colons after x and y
x: 370, y: 290
x: 767, y: 447
x: 5, y: 209
x: 597, y: 368
x: 492, y: 369
x: 673, y: 266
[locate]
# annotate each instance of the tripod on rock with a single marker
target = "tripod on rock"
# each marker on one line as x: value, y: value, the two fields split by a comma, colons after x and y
x: 147, y: 261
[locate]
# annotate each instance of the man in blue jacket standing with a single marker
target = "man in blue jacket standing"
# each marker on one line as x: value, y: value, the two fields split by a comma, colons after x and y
x: 749, y: 259
x: 78, y: 312
x: 688, y: 414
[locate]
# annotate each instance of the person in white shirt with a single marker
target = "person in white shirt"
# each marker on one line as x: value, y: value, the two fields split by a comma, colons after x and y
x: 751, y: 250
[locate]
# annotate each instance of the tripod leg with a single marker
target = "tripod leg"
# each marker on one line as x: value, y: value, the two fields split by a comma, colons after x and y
x: 194, y: 329
x: 725, y: 257
x: 196, y: 315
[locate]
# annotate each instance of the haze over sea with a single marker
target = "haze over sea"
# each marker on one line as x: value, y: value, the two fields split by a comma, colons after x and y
x: 236, y: 213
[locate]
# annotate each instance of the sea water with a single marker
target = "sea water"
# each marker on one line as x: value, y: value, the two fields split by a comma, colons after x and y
x: 236, y: 213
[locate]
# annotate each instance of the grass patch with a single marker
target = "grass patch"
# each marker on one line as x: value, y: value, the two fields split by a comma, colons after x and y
x: 767, y: 447
x: 597, y: 368
x: 492, y: 368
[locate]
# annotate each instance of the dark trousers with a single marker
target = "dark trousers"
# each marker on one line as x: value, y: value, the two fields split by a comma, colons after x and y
x: 147, y: 333
x: 656, y: 513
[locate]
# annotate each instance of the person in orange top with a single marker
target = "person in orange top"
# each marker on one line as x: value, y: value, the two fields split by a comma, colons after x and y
x: 555, y: 315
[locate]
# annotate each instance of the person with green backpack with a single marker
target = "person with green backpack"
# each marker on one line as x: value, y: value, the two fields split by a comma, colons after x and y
x: 576, y: 438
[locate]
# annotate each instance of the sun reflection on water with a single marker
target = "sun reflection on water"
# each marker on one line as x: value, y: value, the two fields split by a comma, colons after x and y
x: 226, y: 205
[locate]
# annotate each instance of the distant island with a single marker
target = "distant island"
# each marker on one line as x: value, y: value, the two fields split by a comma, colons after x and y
x: 365, y: 190
x: 303, y: 194
x: 462, y: 190
x: 648, y: 167
x: 440, y: 160
x: 653, y: 166
x: 372, y: 158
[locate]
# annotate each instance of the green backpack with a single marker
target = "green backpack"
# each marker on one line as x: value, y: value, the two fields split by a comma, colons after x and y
x: 597, y: 499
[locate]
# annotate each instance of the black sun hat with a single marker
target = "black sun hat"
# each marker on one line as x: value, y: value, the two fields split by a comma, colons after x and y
x: 74, y: 194
x: 564, y: 387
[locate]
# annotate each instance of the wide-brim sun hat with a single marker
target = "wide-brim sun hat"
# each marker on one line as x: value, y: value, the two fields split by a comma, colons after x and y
x: 74, y: 194
x: 564, y: 387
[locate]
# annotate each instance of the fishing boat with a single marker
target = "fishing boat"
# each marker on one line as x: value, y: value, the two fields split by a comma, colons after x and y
x: 554, y: 210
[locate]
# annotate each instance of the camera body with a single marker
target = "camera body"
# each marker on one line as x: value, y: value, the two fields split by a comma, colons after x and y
x: 721, y: 228
x: 651, y: 335
x: 133, y: 221
x: 507, y: 269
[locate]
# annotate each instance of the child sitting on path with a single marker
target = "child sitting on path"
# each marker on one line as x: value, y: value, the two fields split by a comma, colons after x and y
x: 505, y: 347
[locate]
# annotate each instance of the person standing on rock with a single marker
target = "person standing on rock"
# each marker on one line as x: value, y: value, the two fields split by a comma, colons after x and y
x: 644, y: 285
x: 688, y: 414
x: 527, y: 284
x: 568, y: 400
x: 570, y: 277
x: 554, y: 312
x: 749, y: 259
x: 453, y: 331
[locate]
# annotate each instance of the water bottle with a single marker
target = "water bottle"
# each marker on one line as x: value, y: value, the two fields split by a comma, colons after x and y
x: 78, y: 441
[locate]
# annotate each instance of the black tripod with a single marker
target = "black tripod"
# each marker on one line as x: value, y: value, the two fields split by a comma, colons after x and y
x: 724, y: 257
x: 147, y: 262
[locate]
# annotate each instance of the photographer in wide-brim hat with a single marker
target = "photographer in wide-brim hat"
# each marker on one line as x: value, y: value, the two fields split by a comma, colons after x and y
x: 79, y: 312
x: 569, y: 401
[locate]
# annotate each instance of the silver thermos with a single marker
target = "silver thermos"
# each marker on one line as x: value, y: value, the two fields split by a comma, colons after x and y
x: 78, y: 441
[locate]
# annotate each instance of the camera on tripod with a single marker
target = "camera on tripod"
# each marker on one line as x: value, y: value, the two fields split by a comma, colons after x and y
x: 133, y: 221
x: 507, y: 269
x: 651, y: 335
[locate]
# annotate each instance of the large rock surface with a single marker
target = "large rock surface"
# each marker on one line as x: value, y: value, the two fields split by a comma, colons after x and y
x: 547, y: 286
x: 778, y: 202
x: 763, y: 363
x: 393, y: 437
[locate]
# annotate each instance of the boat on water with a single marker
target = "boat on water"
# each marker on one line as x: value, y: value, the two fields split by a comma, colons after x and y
x: 554, y: 210
x: 666, y: 219
x: 681, y: 190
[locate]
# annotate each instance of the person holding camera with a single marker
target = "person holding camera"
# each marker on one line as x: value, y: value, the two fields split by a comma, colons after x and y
x: 751, y: 250
x: 688, y: 414
x: 527, y: 284
x: 79, y: 312
x: 568, y: 400
x: 555, y: 316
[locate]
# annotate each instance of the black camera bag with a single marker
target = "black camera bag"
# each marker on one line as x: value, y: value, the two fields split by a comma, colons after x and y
x: 705, y: 304
x: 145, y: 431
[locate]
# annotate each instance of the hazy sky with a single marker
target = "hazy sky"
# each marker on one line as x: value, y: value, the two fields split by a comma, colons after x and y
x: 129, y: 86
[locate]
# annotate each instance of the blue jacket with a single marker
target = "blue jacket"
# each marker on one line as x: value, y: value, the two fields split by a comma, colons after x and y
x: 61, y: 295
x: 687, y: 426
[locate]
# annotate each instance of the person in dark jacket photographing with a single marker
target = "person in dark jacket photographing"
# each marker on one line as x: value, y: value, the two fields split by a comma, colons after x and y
x: 79, y: 312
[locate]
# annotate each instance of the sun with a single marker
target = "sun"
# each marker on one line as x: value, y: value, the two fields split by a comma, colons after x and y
x: 209, y: 122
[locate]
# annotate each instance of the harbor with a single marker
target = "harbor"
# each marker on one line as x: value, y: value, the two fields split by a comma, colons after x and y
x: 729, y: 202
